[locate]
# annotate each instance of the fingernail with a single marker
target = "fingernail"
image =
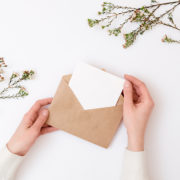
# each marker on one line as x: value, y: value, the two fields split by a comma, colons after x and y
x: 44, y: 112
x: 127, y: 84
x: 125, y: 75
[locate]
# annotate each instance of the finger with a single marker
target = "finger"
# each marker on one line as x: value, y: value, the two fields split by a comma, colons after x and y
x: 140, y: 87
x: 38, y: 105
x: 135, y: 97
x: 32, y: 114
x: 42, y: 118
x: 46, y: 130
x: 128, y: 94
x: 45, y: 125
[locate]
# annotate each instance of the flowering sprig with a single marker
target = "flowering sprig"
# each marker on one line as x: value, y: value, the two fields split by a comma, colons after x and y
x: 14, y: 88
x: 2, y: 65
x: 145, y: 17
x: 167, y: 39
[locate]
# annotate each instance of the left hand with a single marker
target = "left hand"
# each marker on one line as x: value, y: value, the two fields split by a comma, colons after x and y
x: 32, y: 126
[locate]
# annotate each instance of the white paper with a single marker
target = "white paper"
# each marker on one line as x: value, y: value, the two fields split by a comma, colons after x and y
x: 95, y: 88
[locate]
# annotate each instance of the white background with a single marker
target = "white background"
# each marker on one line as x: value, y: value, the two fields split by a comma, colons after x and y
x: 51, y: 36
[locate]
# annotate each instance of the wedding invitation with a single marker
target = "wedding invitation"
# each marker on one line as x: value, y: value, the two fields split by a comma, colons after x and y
x: 95, y: 88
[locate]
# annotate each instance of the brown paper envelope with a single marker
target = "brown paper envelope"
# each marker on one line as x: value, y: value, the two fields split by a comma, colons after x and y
x: 95, y: 125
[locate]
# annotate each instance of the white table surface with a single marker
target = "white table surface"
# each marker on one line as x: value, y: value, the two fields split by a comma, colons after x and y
x: 51, y: 36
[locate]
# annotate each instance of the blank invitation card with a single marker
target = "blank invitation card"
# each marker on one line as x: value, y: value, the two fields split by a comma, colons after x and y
x: 95, y: 88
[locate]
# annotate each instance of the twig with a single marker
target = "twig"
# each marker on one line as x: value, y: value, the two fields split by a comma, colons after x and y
x: 14, y: 83
x: 169, y: 25
x: 145, y: 16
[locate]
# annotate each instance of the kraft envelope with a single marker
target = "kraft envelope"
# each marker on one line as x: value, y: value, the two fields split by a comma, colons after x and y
x: 95, y: 125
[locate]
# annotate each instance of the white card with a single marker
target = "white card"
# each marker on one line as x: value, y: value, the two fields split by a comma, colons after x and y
x: 95, y: 88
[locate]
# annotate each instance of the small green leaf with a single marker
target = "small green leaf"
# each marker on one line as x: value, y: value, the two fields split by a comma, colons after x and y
x: 153, y: 1
x: 170, y: 17
x: 129, y: 39
x: 166, y: 39
x: 92, y: 22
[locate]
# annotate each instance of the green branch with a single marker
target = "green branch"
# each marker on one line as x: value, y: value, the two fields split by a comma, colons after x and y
x: 14, y: 83
x: 144, y: 16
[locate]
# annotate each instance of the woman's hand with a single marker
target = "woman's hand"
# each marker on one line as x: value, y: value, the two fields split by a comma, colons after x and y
x: 32, y: 126
x: 138, y: 105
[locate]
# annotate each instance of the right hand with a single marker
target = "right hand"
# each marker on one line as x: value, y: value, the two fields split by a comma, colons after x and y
x: 137, y: 108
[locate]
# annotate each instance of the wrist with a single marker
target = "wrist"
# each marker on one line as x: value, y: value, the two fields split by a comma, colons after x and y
x: 13, y: 148
x: 136, y: 142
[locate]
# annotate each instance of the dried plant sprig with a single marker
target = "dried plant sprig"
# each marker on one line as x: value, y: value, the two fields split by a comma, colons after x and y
x: 2, y: 65
x: 15, y: 85
x: 145, y: 17
x: 167, y: 39
x: 21, y: 93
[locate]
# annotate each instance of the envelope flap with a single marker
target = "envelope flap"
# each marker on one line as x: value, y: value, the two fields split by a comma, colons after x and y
x: 67, y: 78
x: 66, y: 95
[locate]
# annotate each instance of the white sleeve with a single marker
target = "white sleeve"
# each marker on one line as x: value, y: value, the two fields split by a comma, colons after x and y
x: 134, y: 166
x: 9, y: 164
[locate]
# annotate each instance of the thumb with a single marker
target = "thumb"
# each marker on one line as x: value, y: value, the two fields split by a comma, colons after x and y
x: 42, y: 118
x: 128, y: 94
